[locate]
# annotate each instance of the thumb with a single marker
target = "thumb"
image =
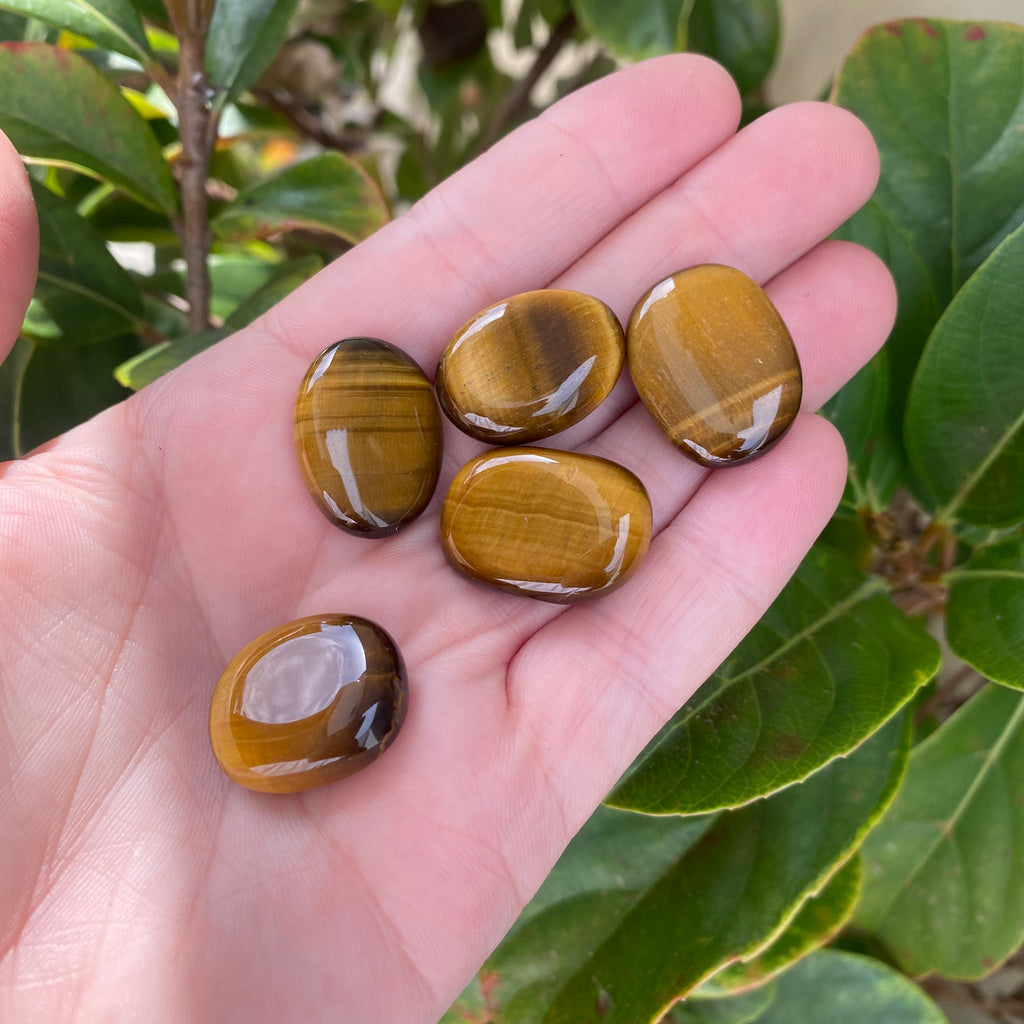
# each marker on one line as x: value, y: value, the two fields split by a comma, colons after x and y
x: 19, y: 244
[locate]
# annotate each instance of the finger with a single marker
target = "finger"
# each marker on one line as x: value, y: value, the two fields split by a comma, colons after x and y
x: 19, y: 244
x: 839, y: 303
x: 621, y: 666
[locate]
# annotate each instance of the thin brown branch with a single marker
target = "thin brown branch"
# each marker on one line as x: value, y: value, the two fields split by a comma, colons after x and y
x: 308, y: 124
x: 517, y: 100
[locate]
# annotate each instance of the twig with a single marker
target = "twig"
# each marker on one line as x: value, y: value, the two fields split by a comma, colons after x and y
x: 517, y: 99
x: 309, y: 124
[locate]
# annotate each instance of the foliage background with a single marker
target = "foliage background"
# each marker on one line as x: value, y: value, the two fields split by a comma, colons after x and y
x: 840, y: 809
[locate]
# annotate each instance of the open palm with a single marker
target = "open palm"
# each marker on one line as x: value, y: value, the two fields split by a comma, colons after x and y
x: 141, y: 550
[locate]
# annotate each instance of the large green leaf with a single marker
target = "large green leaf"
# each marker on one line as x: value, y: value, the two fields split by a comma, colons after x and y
x: 944, y: 871
x: 641, y: 909
x: 12, y: 372
x: 985, y: 612
x: 81, y: 286
x: 829, y: 662
x: 151, y: 363
x: 328, y: 192
x: 742, y: 34
x: 965, y: 415
x: 945, y: 103
x: 741, y: 1009
x: 110, y: 24
x: 831, y: 987
x: 636, y: 30
x: 818, y: 921
x: 243, y: 39
x: 58, y: 109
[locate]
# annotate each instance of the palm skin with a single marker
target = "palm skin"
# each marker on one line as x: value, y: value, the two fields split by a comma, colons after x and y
x: 141, y: 550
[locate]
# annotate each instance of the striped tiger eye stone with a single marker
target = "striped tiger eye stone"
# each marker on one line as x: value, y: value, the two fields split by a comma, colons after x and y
x: 307, y: 703
x: 715, y: 364
x: 530, y: 366
x: 368, y: 436
x: 558, y: 526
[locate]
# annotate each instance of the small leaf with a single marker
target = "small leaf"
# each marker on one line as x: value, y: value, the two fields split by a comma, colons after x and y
x: 943, y: 100
x: 328, y: 192
x: 985, y: 612
x: 80, y: 285
x: 12, y: 373
x: 243, y: 38
x: 965, y: 414
x: 741, y: 34
x: 285, y: 280
x: 110, y: 24
x: 944, y: 871
x: 58, y: 109
x: 147, y: 366
x: 643, y: 28
x: 828, y: 663
x: 641, y: 909
x: 818, y: 921
x: 741, y: 1009
x: 831, y: 987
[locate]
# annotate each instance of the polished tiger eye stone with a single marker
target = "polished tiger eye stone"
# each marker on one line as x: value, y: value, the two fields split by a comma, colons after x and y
x: 309, y: 702
x: 715, y: 364
x: 554, y: 525
x: 368, y: 435
x: 530, y: 366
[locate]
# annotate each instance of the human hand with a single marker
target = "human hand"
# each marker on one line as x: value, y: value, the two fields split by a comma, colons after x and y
x: 141, y: 550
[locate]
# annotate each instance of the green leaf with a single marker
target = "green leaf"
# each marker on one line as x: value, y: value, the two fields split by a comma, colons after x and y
x: 741, y: 34
x: 286, y: 279
x: 65, y: 385
x: 641, y: 909
x: 985, y: 612
x: 80, y: 285
x: 12, y: 373
x: 110, y: 24
x: 741, y: 1009
x: 328, y: 192
x: 829, y: 662
x: 843, y: 988
x: 243, y: 38
x: 944, y: 871
x: 819, y: 920
x: 965, y: 415
x: 144, y: 368
x: 643, y: 28
x: 945, y: 103
x: 58, y: 109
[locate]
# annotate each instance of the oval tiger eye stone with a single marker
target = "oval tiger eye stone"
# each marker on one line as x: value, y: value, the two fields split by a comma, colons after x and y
x: 309, y: 702
x: 714, y: 363
x: 530, y: 366
x: 368, y: 436
x: 554, y: 525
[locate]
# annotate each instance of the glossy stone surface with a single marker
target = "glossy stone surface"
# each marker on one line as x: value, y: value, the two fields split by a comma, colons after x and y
x: 558, y: 526
x: 309, y: 702
x: 530, y: 366
x: 715, y: 364
x: 368, y: 436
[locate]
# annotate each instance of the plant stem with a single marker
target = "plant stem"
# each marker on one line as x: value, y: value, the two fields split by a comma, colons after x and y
x: 197, y: 130
x: 517, y: 100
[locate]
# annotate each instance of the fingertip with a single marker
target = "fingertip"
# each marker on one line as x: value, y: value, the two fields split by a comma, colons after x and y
x: 19, y: 243
x: 876, y: 286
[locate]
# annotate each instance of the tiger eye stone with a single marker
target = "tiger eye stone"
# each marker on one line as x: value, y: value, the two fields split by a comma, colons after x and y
x: 530, y: 366
x: 554, y: 525
x: 715, y: 364
x: 309, y: 702
x: 368, y: 436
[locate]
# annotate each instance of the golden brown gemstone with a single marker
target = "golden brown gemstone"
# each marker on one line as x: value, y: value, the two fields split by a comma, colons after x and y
x: 530, y: 366
x: 368, y: 434
x: 714, y: 363
x: 554, y: 525
x: 309, y: 702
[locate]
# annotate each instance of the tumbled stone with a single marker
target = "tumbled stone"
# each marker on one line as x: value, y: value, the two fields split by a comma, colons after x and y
x: 530, y: 366
x: 368, y: 435
x: 715, y: 364
x: 309, y: 702
x: 554, y: 525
